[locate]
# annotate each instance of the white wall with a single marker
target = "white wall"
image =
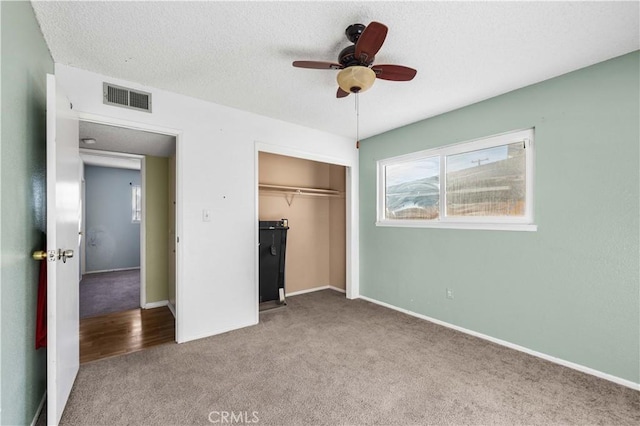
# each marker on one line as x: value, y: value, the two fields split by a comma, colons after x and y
x: 217, y: 288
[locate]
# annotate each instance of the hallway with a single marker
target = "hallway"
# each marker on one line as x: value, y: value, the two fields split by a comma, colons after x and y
x: 124, y: 332
x: 108, y: 292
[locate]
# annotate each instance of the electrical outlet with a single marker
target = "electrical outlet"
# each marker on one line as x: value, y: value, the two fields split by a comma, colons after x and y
x: 449, y: 293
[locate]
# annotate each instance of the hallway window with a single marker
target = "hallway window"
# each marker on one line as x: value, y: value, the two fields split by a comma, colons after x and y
x: 136, y: 204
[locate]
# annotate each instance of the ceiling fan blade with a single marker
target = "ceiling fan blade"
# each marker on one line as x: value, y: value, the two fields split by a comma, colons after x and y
x: 341, y: 93
x: 394, y: 72
x: 317, y: 65
x: 370, y: 41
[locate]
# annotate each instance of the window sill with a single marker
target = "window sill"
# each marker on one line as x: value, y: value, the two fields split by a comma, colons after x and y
x: 459, y: 225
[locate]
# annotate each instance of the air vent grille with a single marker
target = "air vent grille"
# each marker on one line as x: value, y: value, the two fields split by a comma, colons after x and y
x: 139, y: 100
x: 117, y: 96
x: 126, y: 98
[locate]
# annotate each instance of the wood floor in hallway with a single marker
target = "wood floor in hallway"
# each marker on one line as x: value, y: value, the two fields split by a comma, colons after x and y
x: 123, y: 332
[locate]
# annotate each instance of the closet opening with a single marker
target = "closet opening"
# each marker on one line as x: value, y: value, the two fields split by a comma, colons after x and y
x: 311, y: 196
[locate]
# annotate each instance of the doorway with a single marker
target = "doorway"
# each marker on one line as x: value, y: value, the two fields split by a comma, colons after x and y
x: 128, y: 253
x: 110, y: 251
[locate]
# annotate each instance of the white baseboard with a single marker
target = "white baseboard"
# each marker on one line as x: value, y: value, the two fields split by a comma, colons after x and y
x: 39, y: 410
x: 565, y: 363
x: 311, y: 290
x: 172, y: 308
x: 111, y: 270
x: 157, y: 304
x: 339, y: 290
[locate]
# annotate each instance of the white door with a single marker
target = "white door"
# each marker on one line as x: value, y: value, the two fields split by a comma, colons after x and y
x: 63, y: 222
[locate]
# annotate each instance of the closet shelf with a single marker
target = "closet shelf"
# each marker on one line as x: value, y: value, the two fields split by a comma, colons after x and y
x: 298, y: 190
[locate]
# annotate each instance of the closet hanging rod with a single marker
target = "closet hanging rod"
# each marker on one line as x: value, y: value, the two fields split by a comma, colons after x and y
x: 301, y: 193
x: 295, y: 190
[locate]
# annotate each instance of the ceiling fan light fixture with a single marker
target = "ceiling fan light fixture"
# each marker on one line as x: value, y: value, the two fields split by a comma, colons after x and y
x: 356, y: 79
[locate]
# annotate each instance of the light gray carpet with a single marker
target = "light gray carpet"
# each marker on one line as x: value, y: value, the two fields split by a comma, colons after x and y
x: 327, y: 360
x: 107, y: 292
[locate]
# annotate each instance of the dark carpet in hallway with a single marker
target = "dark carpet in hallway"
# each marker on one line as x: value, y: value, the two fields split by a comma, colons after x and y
x: 107, y: 292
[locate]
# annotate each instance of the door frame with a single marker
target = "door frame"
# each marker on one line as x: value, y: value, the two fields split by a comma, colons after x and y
x: 133, y: 125
x: 352, y: 266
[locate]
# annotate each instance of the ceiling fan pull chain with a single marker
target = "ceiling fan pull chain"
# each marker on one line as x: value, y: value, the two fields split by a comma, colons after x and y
x: 357, y: 120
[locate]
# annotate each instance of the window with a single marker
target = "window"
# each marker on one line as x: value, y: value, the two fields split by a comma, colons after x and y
x: 136, y: 204
x: 481, y: 184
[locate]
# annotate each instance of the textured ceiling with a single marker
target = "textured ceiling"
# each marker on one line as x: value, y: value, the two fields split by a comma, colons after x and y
x: 239, y: 54
x: 118, y: 139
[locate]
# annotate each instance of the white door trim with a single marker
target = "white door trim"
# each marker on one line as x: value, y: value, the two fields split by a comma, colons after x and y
x: 352, y: 280
x: 143, y: 236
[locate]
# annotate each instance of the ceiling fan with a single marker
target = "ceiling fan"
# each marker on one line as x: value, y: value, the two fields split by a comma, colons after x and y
x: 358, y: 73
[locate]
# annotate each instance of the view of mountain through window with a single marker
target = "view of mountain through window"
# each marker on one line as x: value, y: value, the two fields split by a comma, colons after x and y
x: 413, y: 189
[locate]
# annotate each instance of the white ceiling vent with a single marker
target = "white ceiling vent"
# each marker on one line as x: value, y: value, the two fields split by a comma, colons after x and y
x: 125, y: 97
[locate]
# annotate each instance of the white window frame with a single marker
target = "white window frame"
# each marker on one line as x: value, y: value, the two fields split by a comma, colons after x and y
x: 134, y: 206
x: 522, y: 223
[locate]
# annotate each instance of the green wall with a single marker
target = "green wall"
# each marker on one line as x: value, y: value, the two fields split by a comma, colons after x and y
x: 156, y: 217
x: 571, y: 289
x: 25, y: 62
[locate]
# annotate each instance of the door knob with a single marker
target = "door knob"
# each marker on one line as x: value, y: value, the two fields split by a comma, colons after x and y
x: 65, y: 254
x: 62, y: 254
x: 39, y: 255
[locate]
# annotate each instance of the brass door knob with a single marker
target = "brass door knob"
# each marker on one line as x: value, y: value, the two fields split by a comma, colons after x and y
x: 62, y: 254
x: 39, y: 255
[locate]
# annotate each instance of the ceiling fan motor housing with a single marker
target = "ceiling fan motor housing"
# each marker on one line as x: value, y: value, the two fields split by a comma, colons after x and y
x: 347, y: 57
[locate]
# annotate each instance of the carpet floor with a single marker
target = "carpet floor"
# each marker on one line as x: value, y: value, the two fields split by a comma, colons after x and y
x: 326, y: 360
x: 108, y: 292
